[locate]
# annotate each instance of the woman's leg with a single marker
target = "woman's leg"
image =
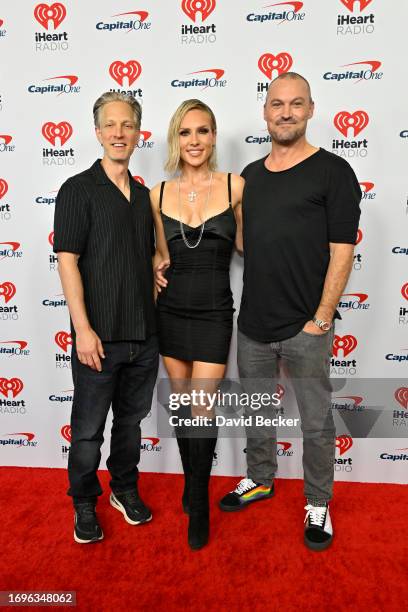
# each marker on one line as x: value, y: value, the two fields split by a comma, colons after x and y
x: 205, y: 377
x: 180, y: 376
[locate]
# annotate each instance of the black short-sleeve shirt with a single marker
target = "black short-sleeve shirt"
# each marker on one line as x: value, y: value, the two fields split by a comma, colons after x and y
x: 114, y: 239
x: 289, y: 219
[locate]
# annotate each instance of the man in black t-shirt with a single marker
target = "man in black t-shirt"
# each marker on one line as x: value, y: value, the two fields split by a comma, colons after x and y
x: 103, y: 233
x: 300, y: 219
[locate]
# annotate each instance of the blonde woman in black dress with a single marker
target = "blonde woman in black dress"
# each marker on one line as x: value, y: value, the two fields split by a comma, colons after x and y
x: 198, y: 220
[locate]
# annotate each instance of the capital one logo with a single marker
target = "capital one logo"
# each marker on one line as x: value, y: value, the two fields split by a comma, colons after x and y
x: 192, y: 7
x: 7, y: 290
x: 119, y: 70
x: 63, y: 339
x: 267, y: 63
x: 349, y: 4
x: 12, y: 385
x: 344, y: 443
x: 284, y: 445
x: 404, y: 291
x: 401, y: 395
x: 3, y: 188
x: 45, y: 13
x: 66, y: 432
x: 10, y: 247
x: 5, y: 138
x: 347, y: 344
x: 366, y: 186
x: 345, y: 121
x: 51, y: 131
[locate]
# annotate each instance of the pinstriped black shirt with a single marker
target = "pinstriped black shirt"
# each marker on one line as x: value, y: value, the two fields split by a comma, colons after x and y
x: 115, y: 242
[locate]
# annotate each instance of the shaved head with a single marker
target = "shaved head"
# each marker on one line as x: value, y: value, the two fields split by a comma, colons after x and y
x: 292, y: 76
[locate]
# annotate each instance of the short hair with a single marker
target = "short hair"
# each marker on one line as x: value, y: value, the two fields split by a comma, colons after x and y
x: 173, y: 145
x: 114, y: 96
x: 293, y: 75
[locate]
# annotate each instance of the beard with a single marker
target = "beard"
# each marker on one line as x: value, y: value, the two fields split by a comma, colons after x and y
x: 290, y: 135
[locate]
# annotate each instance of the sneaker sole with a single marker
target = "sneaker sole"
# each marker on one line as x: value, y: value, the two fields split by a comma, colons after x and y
x: 318, y: 546
x: 118, y: 506
x: 244, y: 505
x: 92, y: 541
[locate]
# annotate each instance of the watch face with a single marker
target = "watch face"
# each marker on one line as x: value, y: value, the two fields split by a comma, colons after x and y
x: 325, y: 326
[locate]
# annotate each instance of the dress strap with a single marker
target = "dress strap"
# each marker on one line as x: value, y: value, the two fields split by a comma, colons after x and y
x: 229, y: 189
x: 161, y: 195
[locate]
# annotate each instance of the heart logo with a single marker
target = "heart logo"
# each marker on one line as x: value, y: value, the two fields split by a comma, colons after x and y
x: 3, y: 188
x: 267, y: 63
x: 66, y: 432
x: 347, y: 344
x: 119, y: 70
x: 55, y: 12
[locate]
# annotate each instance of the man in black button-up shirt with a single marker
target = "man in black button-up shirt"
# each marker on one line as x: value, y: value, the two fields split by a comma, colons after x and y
x: 104, y: 240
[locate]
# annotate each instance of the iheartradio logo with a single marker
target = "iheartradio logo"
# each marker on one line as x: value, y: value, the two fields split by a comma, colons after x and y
x: 349, y: 4
x: 192, y: 7
x: 7, y: 290
x: 139, y: 179
x: 51, y: 131
x: 119, y: 70
x: 280, y: 390
x: 345, y: 121
x: 3, y: 188
x: 366, y: 186
x: 404, y: 291
x: 45, y: 13
x: 66, y: 432
x: 347, y: 344
x: 359, y: 236
x: 401, y: 395
x: 344, y: 443
x: 51, y: 239
x: 11, y: 385
x: 63, y: 340
x: 267, y: 63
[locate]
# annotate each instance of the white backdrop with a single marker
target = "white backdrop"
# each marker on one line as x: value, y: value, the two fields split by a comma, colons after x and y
x: 57, y: 59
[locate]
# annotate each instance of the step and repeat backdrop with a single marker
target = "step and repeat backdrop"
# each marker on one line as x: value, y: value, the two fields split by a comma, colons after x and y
x: 57, y: 58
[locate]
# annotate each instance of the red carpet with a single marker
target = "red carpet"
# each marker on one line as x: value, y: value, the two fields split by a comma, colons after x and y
x: 256, y: 559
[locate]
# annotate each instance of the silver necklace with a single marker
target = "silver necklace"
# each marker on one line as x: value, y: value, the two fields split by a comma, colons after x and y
x: 192, y: 196
x: 188, y: 244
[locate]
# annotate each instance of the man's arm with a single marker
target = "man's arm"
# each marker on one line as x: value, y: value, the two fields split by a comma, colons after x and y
x: 88, y: 345
x: 338, y: 272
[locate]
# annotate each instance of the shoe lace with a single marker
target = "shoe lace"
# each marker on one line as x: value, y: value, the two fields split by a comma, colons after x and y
x: 87, y: 512
x: 132, y: 499
x: 246, y: 484
x: 315, y: 514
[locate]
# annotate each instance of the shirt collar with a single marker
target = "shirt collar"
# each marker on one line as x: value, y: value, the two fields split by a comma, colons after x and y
x: 103, y: 179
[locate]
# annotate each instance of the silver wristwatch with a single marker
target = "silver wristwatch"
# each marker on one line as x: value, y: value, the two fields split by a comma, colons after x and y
x: 324, y: 325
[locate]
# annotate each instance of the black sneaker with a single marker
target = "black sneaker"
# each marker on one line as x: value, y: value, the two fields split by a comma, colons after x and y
x: 131, y: 506
x: 246, y: 492
x: 86, y: 525
x: 318, y: 528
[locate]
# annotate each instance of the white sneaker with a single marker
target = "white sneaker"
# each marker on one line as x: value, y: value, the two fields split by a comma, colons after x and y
x: 318, y: 528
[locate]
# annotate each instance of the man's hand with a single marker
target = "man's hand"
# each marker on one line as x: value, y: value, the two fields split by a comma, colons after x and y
x: 313, y: 329
x: 159, y: 270
x: 89, y: 349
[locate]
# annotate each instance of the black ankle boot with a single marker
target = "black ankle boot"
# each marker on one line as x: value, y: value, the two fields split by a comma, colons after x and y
x: 184, y: 448
x: 201, y: 458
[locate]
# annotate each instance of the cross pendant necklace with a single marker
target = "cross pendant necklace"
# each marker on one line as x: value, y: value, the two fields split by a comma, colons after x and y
x: 192, y: 196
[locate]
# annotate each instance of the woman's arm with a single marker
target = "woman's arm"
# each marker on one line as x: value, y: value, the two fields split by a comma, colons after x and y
x: 237, y: 188
x: 161, y: 258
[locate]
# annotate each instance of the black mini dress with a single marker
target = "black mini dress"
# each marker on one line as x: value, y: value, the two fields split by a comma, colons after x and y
x: 195, y: 310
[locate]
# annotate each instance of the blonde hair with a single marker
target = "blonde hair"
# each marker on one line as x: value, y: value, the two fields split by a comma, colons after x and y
x: 173, y: 162
x: 115, y: 96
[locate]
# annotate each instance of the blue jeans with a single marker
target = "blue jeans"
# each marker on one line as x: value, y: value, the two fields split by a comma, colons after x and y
x: 126, y: 382
x: 306, y: 357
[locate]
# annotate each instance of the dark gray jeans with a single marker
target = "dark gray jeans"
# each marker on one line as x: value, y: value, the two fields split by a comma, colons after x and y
x: 305, y: 358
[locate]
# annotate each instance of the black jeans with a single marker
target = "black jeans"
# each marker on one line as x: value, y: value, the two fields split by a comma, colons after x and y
x: 127, y: 380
